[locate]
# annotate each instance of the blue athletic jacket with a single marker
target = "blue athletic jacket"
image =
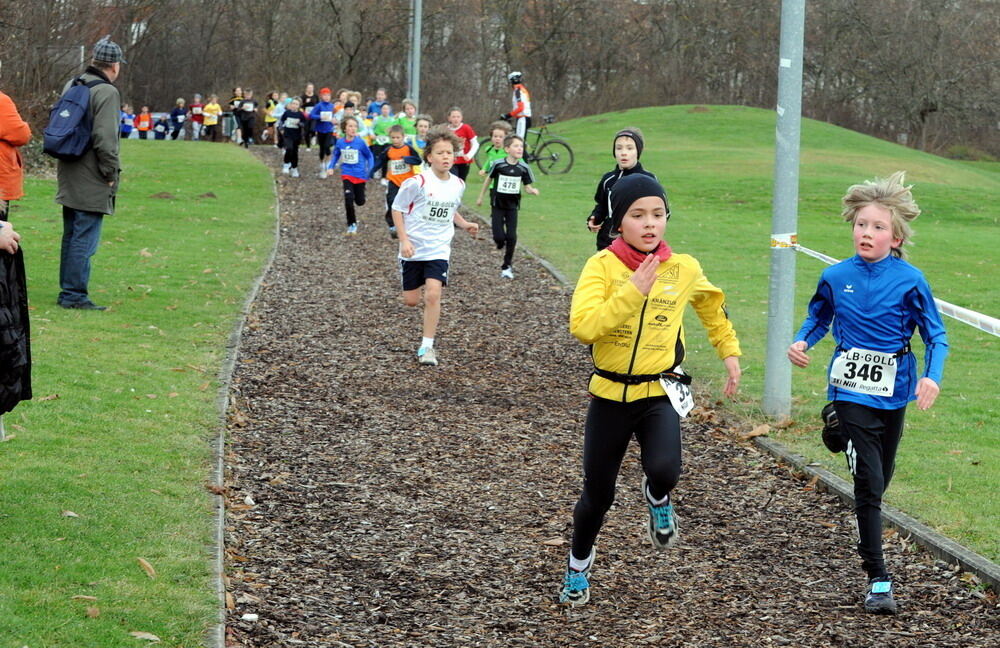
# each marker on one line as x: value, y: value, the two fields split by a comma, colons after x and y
x: 314, y: 114
x: 362, y: 167
x: 876, y: 306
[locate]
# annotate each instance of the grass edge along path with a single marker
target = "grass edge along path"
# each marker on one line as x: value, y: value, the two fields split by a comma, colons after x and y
x: 109, y: 463
x: 224, y: 404
x: 716, y: 163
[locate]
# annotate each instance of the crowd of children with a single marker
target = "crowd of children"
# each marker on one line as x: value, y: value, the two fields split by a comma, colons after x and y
x: 629, y: 302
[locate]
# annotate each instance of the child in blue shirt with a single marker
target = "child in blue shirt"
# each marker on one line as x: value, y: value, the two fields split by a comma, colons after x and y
x: 127, y: 121
x: 356, y: 162
x: 321, y: 116
x: 875, y: 300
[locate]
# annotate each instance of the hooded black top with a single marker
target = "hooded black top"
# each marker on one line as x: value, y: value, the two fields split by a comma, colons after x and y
x: 602, y: 206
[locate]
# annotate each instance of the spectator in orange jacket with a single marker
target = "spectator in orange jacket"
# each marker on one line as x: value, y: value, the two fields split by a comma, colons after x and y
x: 14, y: 133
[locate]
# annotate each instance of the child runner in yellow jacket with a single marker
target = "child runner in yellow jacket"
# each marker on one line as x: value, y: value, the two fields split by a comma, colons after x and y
x: 629, y: 307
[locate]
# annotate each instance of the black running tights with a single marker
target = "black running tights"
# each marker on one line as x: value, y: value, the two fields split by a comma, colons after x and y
x: 610, y: 425
x: 354, y: 194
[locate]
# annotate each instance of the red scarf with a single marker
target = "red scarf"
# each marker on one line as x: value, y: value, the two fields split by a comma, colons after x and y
x: 632, y: 257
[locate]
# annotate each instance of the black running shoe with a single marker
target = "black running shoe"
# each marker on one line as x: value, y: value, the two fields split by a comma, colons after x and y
x: 879, y: 598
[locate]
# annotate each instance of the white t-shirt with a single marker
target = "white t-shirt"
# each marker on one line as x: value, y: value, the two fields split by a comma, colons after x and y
x: 428, y: 206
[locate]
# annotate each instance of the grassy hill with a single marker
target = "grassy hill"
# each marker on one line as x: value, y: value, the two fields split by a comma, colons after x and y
x: 716, y: 163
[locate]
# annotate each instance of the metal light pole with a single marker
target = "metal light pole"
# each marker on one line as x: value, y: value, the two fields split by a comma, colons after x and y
x: 784, y: 220
x: 413, y: 63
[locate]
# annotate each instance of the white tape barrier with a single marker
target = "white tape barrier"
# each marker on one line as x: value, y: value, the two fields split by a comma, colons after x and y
x: 982, y: 322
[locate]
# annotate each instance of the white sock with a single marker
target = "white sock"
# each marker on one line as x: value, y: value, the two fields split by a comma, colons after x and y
x: 427, y: 343
x: 578, y: 565
x: 661, y: 502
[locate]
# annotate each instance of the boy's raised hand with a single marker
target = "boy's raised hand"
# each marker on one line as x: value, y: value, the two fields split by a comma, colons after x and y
x: 927, y: 393
x: 797, y: 354
x: 645, y: 275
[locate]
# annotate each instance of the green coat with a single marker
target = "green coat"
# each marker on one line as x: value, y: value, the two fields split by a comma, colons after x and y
x: 83, y: 183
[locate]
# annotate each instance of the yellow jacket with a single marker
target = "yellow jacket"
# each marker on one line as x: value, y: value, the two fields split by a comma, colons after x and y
x: 631, y: 333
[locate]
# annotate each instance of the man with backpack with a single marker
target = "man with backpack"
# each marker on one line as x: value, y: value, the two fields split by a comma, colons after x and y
x: 88, y: 181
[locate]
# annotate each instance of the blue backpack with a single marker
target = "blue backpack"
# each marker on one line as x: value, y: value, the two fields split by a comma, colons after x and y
x: 67, y: 137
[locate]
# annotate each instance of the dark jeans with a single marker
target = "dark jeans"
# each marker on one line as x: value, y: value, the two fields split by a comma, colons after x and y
x: 871, y: 455
x: 610, y: 425
x: 504, y: 223
x: 143, y: 134
x: 354, y: 194
x: 81, y: 234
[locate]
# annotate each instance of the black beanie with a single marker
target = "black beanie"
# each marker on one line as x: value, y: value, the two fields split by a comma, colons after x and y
x: 636, y: 137
x: 629, y: 189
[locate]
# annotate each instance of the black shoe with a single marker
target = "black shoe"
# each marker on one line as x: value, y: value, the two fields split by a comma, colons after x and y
x: 84, y: 305
x: 879, y: 598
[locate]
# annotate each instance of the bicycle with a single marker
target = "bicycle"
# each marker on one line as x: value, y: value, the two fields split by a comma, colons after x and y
x: 551, y: 153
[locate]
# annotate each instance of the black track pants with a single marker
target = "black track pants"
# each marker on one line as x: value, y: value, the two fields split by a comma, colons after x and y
x: 292, y: 152
x: 610, y: 426
x: 504, y: 223
x: 871, y: 455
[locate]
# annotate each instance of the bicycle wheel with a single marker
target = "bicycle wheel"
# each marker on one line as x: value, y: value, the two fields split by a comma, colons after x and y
x: 553, y: 157
x: 480, y: 158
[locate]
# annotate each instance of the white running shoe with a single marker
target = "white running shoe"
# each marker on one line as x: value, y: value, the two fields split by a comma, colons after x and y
x: 352, y: 229
x: 384, y: 182
x: 286, y: 167
x: 507, y: 273
x: 426, y: 356
x: 295, y: 173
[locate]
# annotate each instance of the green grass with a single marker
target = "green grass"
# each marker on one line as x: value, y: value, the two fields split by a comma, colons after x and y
x: 717, y: 167
x: 124, y: 408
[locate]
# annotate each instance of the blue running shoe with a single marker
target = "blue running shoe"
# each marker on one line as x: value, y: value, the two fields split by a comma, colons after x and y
x: 879, y: 598
x: 576, y: 584
x: 663, y: 527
